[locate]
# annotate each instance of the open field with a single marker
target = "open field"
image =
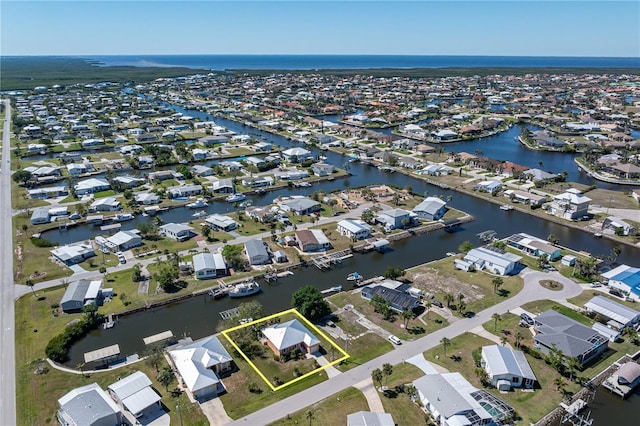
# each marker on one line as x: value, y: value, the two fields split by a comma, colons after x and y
x: 399, y: 405
x: 329, y: 412
x: 363, y: 349
x: 441, y: 277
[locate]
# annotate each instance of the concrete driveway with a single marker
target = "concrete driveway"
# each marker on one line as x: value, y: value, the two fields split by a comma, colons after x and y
x: 214, y: 410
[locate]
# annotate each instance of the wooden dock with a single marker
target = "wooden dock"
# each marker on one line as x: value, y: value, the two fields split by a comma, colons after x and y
x: 328, y: 260
x: 229, y: 313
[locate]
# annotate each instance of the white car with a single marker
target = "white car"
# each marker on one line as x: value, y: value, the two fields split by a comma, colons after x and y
x: 393, y: 339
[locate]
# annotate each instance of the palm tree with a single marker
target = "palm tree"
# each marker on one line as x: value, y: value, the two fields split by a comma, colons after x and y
x: 445, y: 342
x: 427, y: 306
x: 29, y: 282
x: 407, y: 315
x: 496, y: 318
x: 165, y: 377
x: 80, y: 367
x: 387, y: 370
x: 497, y: 282
x: 572, y: 365
x: 448, y: 299
x: 376, y: 376
x: 518, y: 338
x: 503, y: 340
x: 560, y: 384
x: 460, y: 298
x: 309, y: 415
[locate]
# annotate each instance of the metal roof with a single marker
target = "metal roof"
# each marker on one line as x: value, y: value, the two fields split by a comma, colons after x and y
x: 289, y: 334
x: 503, y: 360
x: 102, y: 353
x: 612, y: 309
x: 88, y: 405
x: 367, y: 418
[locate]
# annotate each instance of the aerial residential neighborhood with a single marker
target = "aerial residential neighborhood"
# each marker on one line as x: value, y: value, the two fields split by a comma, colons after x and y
x: 439, y: 224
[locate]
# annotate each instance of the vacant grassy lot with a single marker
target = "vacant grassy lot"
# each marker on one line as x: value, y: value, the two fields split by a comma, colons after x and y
x: 607, y: 198
x: 441, y: 277
x: 329, y: 412
x: 363, y: 349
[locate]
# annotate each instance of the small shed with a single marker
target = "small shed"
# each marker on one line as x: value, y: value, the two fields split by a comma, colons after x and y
x: 279, y: 256
x: 568, y: 260
x: 503, y: 385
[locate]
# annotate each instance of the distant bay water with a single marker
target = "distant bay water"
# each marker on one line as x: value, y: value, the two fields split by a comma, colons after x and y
x: 311, y: 62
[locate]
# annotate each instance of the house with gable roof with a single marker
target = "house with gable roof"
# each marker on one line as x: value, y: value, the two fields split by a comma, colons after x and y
x: 507, y: 368
x: 88, y: 406
x: 200, y: 365
x: 135, y: 393
x: 289, y: 336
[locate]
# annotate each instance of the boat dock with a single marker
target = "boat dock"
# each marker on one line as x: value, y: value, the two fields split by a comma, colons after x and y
x: 327, y: 260
x: 487, y: 236
x: 363, y: 283
x: 573, y: 415
x: 165, y: 335
x: 334, y: 289
x: 109, y: 323
x: 229, y: 313
x: 222, y: 290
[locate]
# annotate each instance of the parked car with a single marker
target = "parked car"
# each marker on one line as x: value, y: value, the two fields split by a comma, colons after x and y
x: 526, y: 318
x: 393, y: 339
x: 437, y: 303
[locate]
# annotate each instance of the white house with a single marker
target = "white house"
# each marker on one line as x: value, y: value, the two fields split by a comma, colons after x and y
x: 431, y: 208
x: 147, y: 198
x: 221, y: 222
x: 507, y: 368
x: 569, y: 205
x: 107, y: 204
x: 368, y: 418
x: 257, y: 252
x: 619, y: 316
x: 493, y: 259
x: 81, y: 293
x: 354, y: 229
x: 200, y: 365
x: 296, y: 154
x: 91, y: 186
x: 177, y: 231
x: 121, y: 241
x: 453, y: 401
x: 395, y: 218
x: 208, y: 265
x: 73, y: 253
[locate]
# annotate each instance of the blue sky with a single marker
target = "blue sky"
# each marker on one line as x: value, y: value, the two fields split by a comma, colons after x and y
x: 509, y: 28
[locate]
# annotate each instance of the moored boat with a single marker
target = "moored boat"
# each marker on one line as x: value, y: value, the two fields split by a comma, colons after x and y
x: 243, y: 289
x: 199, y: 203
x: 506, y: 207
x: 234, y: 198
x: 354, y: 276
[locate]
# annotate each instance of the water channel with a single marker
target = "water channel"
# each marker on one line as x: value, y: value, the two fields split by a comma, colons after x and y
x: 198, y: 317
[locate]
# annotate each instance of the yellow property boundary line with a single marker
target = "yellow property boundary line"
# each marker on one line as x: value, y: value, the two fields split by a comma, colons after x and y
x: 315, y: 329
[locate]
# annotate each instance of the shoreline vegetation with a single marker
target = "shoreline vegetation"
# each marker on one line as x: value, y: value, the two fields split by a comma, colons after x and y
x: 28, y: 72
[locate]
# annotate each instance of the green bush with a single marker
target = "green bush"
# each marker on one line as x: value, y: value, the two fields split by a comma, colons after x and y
x: 41, y: 242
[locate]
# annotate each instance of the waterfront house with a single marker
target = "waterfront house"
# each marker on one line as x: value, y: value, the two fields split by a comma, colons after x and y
x: 488, y: 186
x: 81, y: 293
x: 617, y: 225
x: 73, y: 253
x: 161, y: 175
x: 534, y: 246
x: 88, y: 405
x: 569, y: 205
x: 507, y: 368
x: 452, y: 400
x: 530, y: 198
x: 219, y: 222
x: 40, y: 215
x: 492, y: 259
x: 431, y: 208
x: 208, y: 265
x: 300, y: 205
x: 322, y: 169
x: 48, y: 192
x: 202, y: 171
x: 261, y: 214
x: 354, y: 229
x: 200, y: 154
x: 394, y: 218
x: 310, y: 240
x: 212, y: 140
x: 257, y: 253
x: 75, y: 169
x: 223, y: 186
x: 290, y: 336
x: 91, y: 186
x: 296, y: 155
x: 107, y: 204
x: 184, y: 190
x: 147, y: 198
x: 398, y: 299
x: 199, y: 366
x: 257, y: 182
x: 368, y: 418
x: 135, y: 393
x: 177, y: 231
x: 444, y: 135
x: 626, y: 279
x: 120, y: 241
x: 554, y: 330
x: 127, y: 182
x: 290, y: 174
x: 538, y: 175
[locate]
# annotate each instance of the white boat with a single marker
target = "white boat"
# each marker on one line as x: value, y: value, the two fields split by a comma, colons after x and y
x: 260, y: 191
x: 506, y: 207
x: 234, y: 198
x: 354, y: 276
x: 121, y: 217
x: 198, y: 204
x: 451, y: 253
x: 201, y: 213
x: 246, y: 288
x: 245, y: 204
x: 323, y: 157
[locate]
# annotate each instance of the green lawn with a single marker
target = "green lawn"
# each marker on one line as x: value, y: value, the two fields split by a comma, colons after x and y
x: 363, y: 349
x: 441, y: 277
x: 399, y: 405
x: 587, y: 295
x: 329, y: 412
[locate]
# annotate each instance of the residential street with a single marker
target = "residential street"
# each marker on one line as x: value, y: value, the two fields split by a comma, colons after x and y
x: 7, y: 316
x: 531, y: 291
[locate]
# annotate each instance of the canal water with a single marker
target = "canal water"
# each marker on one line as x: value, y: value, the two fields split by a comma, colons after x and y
x: 198, y: 317
x: 609, y: 409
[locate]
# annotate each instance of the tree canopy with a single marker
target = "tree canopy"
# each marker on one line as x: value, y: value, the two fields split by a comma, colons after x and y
x: 310, y: 303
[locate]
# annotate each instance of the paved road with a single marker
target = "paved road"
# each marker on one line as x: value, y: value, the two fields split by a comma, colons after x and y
x: 7, y: 316
x: 531, y: 291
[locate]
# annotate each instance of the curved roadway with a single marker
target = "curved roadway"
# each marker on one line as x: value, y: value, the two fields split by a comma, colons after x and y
x: 532, y: 291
